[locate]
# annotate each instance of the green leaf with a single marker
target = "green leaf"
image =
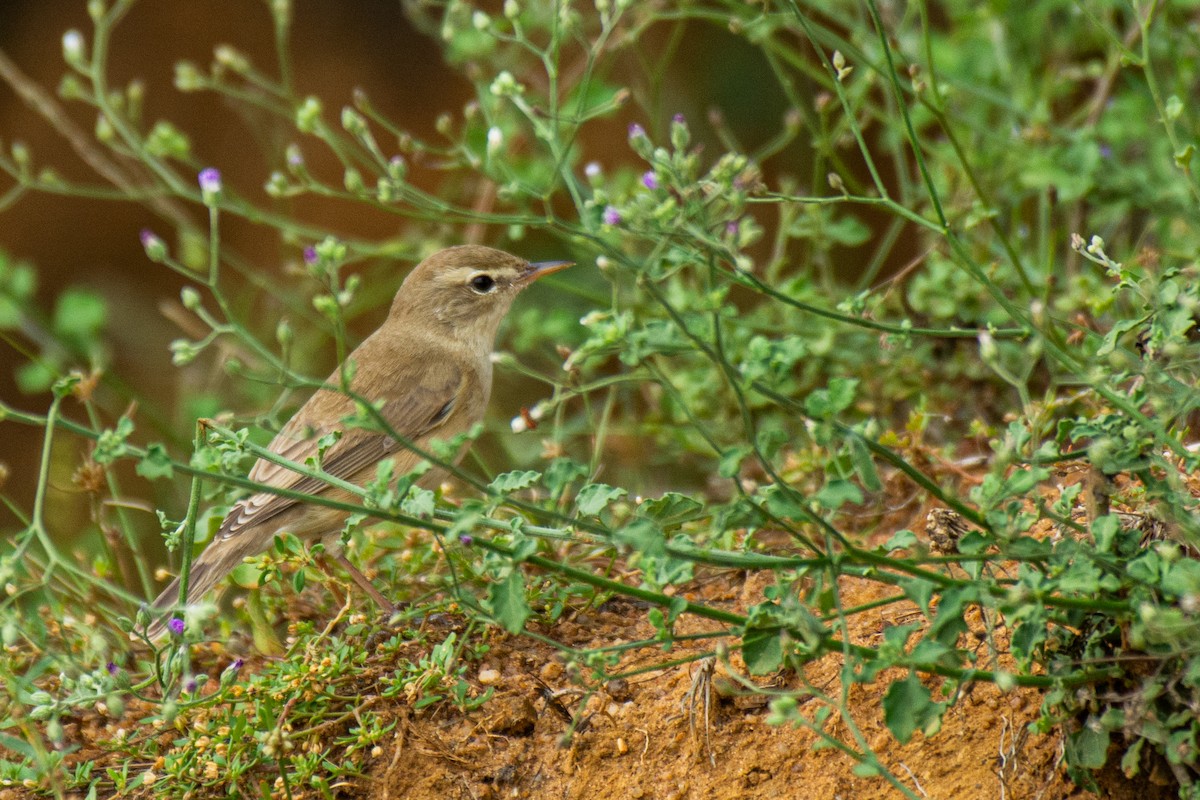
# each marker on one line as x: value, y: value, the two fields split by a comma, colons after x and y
x: 1027, y: 637
x: 589, y: 98
x: 672, y: 508
x: 35, y: 377
x: 848, y: 231
x: 507, y: 602
x: 919, y: 591
x: 595, y: 497
x: 513, y: 481
x: 79, y: 314
x: 763, y: 651
x: 1131, y: 761
x: 642, y: 536
x: 1087, y: 747
x: 731, y: 461
x: 1104, y: 532
x: 561, y: 472
x: 18, y: 746
x: 783, y: 502
x: 156, y: 463
x: 864, y: 465
x: 900, y: 540
x: 1173, y: 107
x: 908, y: 707
x: 838, y: 492
x: 247, y: 574
x: 418, y: 502
x: 1182, y: 578
x: 523, y: 546
x: 111, y: 444
x: 10, y: 313
x: 826, y: 403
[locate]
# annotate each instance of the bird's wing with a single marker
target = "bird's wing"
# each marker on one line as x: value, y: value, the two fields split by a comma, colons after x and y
x: 414, y: 408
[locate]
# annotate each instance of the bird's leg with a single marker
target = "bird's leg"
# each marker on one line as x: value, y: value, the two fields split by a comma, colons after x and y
x: 366, y: 585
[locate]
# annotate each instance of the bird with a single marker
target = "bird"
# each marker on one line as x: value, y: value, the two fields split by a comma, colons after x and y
x: 428, y: 371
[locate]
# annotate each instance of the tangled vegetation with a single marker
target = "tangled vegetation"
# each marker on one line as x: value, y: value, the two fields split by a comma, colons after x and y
x: 967, y: 235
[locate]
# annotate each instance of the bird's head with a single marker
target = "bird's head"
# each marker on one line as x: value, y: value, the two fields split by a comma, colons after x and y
x: 467, y: 290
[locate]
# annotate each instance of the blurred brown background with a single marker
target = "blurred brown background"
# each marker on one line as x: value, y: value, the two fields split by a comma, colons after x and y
x: 336, y: 46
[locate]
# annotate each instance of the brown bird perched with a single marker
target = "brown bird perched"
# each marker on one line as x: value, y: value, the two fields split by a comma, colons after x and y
x: 427, y: 369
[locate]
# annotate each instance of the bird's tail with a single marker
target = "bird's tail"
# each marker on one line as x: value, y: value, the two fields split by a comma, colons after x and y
x: 210, y: 566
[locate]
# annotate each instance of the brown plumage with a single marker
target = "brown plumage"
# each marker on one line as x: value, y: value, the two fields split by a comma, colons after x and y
x: 428, y: 368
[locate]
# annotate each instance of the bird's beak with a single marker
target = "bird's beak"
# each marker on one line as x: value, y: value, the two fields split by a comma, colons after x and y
x: 539, y: 268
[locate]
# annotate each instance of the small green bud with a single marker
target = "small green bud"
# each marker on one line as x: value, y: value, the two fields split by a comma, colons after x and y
x: 283, y: 333
x: 231, y: 58
x: 183, y: 352
x: 190, y: 298
x: 384, y: 190
x: 397, y: 168
x: 326, y: 305
x: 20, y: 154
x: 104, y: 129
x: 505, y: 85
x: 308, y: 115
x: 353, y: 122
x: 188, y: 77
x: 295, y: 159
x: 680, y: 135
x: 839, y: 65
x: 495, y: 141
x: 276, y: 185
x: 156, y: 248
x: 71, y: 88
x: 74, y: 48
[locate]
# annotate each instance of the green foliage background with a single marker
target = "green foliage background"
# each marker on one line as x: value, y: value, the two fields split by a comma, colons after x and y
x: 970, y: 232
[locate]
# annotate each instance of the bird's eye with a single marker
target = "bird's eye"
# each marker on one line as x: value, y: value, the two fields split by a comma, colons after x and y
x: 483, y: 283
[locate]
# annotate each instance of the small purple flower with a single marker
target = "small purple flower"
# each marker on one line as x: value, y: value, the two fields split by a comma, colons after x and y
x: 678, y: 119
x: 156, y: 248
x: 612, y: 216
x: 191, y: 686
x: 210, y: 184
x: 636, y: 131
x: 1105, y: 151
x: 592, y: 170
x: 294, y: 157
x: 175, y: 626
x: 732, y: 227
x: 466, y: 540
x: 310, y: 255
x: 210, y: 180
x: 650, y: 180
x: 112, y: 668
x: 237, y: 665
